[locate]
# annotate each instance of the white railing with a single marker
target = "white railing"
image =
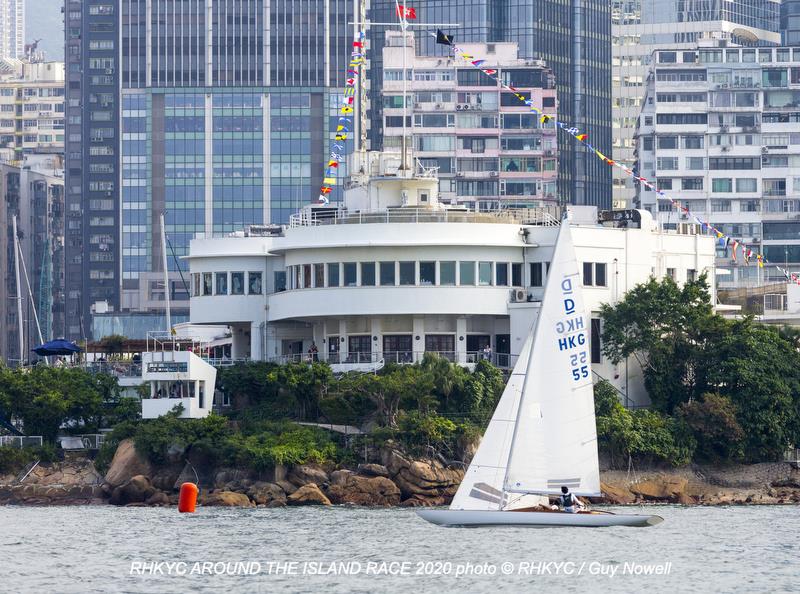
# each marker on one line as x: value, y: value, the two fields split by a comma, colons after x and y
x: 502, y: 360
x: 546, y: 217
x: 20, y: 441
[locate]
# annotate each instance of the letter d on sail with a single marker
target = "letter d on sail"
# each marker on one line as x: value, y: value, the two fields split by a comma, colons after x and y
x: 566, y: 286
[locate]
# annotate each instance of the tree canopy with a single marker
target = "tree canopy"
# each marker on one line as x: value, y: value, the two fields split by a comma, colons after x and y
x: 687, y: 352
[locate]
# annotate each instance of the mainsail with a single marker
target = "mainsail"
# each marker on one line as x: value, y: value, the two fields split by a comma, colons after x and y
x: 555, y: 436
x: 482, y: 487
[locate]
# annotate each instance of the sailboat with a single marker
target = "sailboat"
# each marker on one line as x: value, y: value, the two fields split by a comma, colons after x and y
x: 542, y: 435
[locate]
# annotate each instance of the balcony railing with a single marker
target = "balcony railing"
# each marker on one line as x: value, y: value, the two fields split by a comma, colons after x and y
x: 405, y: 357
x: 545, y: 216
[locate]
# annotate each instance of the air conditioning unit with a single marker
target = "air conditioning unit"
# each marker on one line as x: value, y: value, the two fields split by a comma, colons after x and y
x: 439, y: 106
x: 417, y: 106
x: 493, y: 174
x: 764, y: 149
x: 465, y: 107
x: 548, y: 153
x: 459, y: 107
x: 519, y: 295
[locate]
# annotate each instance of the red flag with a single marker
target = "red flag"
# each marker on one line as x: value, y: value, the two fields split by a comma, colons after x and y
x: 406, y: 12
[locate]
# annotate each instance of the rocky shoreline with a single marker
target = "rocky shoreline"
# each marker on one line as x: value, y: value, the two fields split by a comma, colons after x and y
x: 399, y: 480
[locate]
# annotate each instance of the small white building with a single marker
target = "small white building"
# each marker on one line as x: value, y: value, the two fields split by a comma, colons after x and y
x: 177, y: 377
x: 361, y: 287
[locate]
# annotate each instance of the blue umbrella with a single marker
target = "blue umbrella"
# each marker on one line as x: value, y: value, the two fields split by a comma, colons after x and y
x: 58, y: 346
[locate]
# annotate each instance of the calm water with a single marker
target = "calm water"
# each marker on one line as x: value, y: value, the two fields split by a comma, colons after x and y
x: 92, y: 549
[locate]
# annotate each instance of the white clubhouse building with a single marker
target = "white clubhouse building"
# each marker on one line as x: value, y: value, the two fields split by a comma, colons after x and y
x: 392, y: 274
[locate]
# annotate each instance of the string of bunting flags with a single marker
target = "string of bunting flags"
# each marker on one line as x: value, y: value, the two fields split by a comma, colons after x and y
x: 345, y: 122
x: 583, y: 138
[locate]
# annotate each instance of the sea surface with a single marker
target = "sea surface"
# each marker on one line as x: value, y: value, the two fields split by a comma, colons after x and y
x: 338, y: 549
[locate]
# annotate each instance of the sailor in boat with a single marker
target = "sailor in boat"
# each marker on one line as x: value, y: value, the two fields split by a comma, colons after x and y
x: 569, y: 503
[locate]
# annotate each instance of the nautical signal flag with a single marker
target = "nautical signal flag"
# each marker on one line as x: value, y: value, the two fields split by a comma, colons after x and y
x: 444, y: 39
x: 406, y: 12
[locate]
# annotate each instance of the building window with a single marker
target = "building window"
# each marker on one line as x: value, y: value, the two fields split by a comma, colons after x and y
x: 397, y: 348
x: 724, y: 184
x: 467, y: 273
x: 443, y: 344
x: 516, y: 275
x: 387, y: 273
x: 368, y: 274
x: 306, y: 276
x: 447, y: 273
x: 484, y: 273
x: 280, y: 281
x: 237, y: 283
x: 427, y: 273
x: 671, y: 273
x: 333, y: 274
x: 319, y: 275
x: 207, y: 287
x: 196, y: 285
x: 594, y: 274
x: 537, y: 274
x: 595, y: 341
x: 691, y: 275
x: 254, y: 283
x: 360, y: 347
x: 501, y: 274
x: 408, y: 273
x: 222, y: 283
x: 350, y: 274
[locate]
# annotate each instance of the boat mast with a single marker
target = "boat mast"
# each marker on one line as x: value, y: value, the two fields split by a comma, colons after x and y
x: 19, y: 291
x: 528, y: 368
x: 166, y: 273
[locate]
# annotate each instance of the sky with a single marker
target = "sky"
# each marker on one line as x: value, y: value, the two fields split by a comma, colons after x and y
x: 43, y: 20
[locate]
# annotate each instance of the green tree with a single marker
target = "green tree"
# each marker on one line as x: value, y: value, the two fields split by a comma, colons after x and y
x: 307, y: 382
x: 713, y: 423
x: 667, y: 329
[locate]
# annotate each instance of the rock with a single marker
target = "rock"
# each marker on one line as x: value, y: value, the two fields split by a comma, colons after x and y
x: 126, y: 464
x: 228, y: 476
x: 158, y: 498
x: 362, y: 490
x: 373, y: 470
x: 662, y: 487
x: 228, y: 499
x: 616, y: 494
x: 685, y: 499
x: 164, y: 478
x: 136, y: 490
x: 265, y: 493
x: 287, y: 487
x: 308, y: 495
x: 428, y: 478
x: 304, y: 474
x: 277, y: 503
x: 339, y: 477
x: 420, y: 501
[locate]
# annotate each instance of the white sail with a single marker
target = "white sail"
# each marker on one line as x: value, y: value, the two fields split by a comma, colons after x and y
x: 482, y: 487
x: 555, y: 437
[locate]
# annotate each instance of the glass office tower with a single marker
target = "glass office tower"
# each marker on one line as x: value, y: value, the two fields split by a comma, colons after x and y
x: 225, y: 123
x: 572, y: 36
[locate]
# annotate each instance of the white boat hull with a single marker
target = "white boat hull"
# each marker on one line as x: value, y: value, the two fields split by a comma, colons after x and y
x: 475, y: 519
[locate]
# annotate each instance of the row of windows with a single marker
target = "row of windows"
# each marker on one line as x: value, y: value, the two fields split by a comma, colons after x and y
x: 390, y: 273
x: 224, y: 283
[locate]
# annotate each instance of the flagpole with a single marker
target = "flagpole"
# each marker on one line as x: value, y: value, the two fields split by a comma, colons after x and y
x: 404, y: 27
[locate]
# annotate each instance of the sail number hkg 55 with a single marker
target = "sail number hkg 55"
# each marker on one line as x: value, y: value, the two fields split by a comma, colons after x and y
x: 573, y: 331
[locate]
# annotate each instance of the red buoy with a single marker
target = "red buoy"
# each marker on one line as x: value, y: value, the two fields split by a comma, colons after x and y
x: 188, y: 498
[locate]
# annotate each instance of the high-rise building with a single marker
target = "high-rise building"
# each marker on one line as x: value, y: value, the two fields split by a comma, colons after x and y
x: 573, y: 37
x: 487, y: 147
x: 720, y: 132
x: 790, y: 22
x: 31, y: 110
x: 639, y: 27
x: 225, y: 123
x: 37, y: 201
x: 92, y: 241
x: 12, y: 29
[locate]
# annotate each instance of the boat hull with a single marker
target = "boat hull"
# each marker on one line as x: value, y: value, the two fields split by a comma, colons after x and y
x: 476, y: 519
